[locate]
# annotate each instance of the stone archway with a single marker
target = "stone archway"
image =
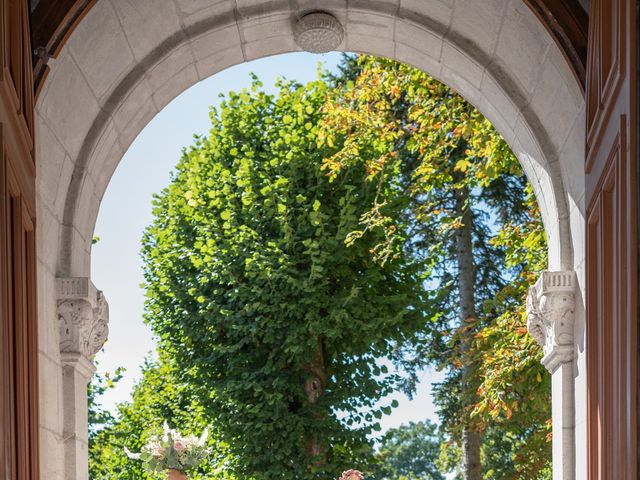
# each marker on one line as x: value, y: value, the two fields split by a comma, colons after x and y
x: 128, y: 58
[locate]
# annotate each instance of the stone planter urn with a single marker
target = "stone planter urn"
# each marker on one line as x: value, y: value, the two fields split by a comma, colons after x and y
x: 173, y: 474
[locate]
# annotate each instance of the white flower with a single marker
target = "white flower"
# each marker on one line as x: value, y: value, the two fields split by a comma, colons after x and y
x: 203, y: 438
x: 131, y: 455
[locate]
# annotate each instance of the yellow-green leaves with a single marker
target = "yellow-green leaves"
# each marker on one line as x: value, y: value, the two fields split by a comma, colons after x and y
x: 409, y: 132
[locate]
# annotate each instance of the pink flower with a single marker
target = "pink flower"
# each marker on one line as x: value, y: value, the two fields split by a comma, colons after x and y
x: 351, y: 475
x: 179, y: 446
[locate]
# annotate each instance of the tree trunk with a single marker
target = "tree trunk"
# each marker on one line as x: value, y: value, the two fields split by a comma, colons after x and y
x: 314, y: 388
x: 466, y: 283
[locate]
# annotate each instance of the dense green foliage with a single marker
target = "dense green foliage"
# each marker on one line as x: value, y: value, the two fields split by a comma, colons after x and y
x: 289, y: 257
x: 409, y: 452
x: 277, y: 324
x: 98, y: 416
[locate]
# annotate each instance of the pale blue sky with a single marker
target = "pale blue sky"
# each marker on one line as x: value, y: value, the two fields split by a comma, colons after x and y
x: 126, y: 210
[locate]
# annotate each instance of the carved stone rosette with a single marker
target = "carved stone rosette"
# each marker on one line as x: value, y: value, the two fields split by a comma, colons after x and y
x: 318, y: 32
x: 550, y: 317
x: 83, y: 317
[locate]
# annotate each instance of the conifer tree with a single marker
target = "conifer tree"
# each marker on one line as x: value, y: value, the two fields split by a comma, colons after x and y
x: 470, y: 210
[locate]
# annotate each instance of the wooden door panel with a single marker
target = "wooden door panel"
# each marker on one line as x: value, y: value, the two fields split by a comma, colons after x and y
x: 607, y: 67
x: 18, y: 65
x: 18, y: 325
x: 610, y: 311
x: 18, y: 341
x: 24, y: 339
x: 611, y: 273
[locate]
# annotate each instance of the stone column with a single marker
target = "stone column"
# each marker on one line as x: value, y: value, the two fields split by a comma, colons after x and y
x: 550, y: 320
x: 83, y: 316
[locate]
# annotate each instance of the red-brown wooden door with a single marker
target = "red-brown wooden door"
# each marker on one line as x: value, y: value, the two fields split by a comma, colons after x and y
x: 18, y: 326
x: 612, y: 261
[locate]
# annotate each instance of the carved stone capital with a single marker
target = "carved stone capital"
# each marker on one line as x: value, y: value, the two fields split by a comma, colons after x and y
x: 550, y: 317
x: 83, y: 316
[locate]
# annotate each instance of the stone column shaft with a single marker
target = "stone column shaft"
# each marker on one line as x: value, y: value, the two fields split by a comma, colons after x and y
x: 83, y: 316
x: 550, y: 320
x: 76, y: 374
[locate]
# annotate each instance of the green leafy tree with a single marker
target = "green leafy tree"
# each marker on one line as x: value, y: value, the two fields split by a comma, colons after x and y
x: 470, y: 211
x: 278, y: 326
x: 410, y: 452
x: 98, y: 416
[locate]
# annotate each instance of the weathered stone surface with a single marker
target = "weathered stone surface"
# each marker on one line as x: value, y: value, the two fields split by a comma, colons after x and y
x: 219, y: 61
x: 496, y: 105
x: 101, y: 43
x: 105, y: 157
x: 220, y: 39
x: 429, y: 11
x: 552, y: 101
x: 51, y: 444
x: 477, y: 25
x: 521, y: 48
x: 376, y: 25
x: 463, y: 66
x: 147, y: 23
x: 68, y: 105
x: 412, y: 35
x: 263, y: 28
x: 269, y: 46
x: 175, y: 85
x: 50, y: 405
x: 193, y: 11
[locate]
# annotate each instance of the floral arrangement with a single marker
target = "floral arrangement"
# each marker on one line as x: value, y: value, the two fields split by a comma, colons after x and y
x: 172, y: 451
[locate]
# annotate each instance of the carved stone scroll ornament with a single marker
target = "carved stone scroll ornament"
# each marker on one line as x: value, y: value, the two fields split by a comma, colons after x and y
x: 550, y: 317
x: 100, y: 328
x: 83, y: 317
